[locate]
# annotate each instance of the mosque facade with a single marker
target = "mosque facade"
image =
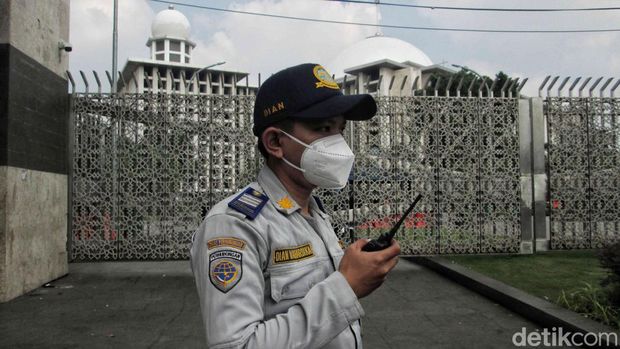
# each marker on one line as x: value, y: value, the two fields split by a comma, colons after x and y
x: 384, y: 66
x: 170, y: 69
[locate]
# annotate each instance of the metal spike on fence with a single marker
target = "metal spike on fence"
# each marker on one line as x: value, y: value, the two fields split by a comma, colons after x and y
x: 459, y: 86
x: 572, y: 86
x: 72, y: 82
x: 414, y: 86
x: 471, y: 85
x: 437, y: 82
x: 483, y: 83
x: 450, y: 81
x: 247, y: 84
x: 542, y: 86
x: 551, y: 85
x: 159, y: 82
x: 148, y: 84
x: 170, y: 79
x: 184, y: 82
x: 98, y: 82
x: 391, y: 83
x: 135, y: 81
x: 594, y: 85
x: 512, y: 86
x: 402, y: 84
x: 613, y: 89
x: 504, y: 86
x: 562, y: 85
x: 120, y: 78
x: 428, y: 84
x: 584, y: 85
x: 495, y: 81
x: 520, y: 87
x: 85, y: 81
x: 605, y: 86
x: 107, y: 73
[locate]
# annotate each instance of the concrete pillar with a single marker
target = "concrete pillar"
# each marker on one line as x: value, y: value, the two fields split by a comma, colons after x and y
x: 33, y: 144
x: 539, y: 175
x: 525, y: 164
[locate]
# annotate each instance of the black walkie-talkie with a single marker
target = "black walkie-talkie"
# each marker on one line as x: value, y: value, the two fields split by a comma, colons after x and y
x: 385, y: 239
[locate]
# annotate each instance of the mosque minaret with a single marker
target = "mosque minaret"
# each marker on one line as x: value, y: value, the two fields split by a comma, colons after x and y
x: 170, y: 67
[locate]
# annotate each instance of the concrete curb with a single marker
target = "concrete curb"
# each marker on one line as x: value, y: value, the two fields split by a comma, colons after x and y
x: 542, y: 312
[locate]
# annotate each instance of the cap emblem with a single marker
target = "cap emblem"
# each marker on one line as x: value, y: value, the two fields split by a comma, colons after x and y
x: 325, y: 80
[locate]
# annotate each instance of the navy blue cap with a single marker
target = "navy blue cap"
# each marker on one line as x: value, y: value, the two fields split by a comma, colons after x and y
x: 307, y: 92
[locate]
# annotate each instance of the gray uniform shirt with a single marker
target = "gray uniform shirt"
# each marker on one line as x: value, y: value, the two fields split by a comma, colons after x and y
x: 272, y: 281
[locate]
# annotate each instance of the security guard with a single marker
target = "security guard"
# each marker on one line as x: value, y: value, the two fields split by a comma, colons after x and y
x: 269, y: 269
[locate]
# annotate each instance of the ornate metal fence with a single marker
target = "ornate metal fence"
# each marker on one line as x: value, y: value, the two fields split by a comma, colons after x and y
x: 583, y: 170
x: 147, y: 168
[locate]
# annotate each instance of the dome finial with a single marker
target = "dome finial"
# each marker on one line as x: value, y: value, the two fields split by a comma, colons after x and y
x: 171, y: 7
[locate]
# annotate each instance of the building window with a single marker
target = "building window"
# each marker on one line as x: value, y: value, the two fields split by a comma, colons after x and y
x: 175, y: 57
x: 159, y: 56
x: 159, y: 46
x: 186, y: 59
x: 186, y: 49
x: 175, y: 46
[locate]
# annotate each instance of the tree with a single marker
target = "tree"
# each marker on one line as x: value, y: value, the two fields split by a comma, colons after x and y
x: 467, y: 76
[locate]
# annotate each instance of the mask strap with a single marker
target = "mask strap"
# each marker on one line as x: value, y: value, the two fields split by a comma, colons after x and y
x: 296, y: 140
x: 293, y: 166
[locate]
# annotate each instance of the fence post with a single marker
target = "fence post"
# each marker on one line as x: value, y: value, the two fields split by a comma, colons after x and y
x: 525, y: 164
x: 539, y: 175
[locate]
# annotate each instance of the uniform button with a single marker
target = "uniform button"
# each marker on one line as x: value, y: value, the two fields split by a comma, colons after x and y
x: 285, y: 289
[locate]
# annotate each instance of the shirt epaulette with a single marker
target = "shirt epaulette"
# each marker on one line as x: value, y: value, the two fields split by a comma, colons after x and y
x: 249, y: 202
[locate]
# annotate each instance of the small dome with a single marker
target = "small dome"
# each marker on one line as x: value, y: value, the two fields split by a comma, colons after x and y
x: 376, y: 48
x: 170, y: 23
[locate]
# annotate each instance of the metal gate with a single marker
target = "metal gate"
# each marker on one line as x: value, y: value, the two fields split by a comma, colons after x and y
x: 147, y: 167
x: 583, y: 170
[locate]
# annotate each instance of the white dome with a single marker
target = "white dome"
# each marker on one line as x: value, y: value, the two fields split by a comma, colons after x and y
x: 170, y: 23
x: 376, y: 48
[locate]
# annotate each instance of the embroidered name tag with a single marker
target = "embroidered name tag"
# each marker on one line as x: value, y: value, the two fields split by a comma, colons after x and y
x: 230, y: 242
x: 292, y: 254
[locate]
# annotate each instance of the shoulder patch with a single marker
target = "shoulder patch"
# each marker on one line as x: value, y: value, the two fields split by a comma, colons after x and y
x: 292, y: 254
x: 230, y: 242
x: 249, y: 202
x: 225, y: 269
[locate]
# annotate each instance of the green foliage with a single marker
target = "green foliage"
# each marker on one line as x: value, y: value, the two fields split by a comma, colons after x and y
x: 591, y: 302
x: 467, y: 77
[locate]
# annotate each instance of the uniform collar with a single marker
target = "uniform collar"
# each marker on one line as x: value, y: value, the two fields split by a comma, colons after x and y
x: 276, y: 192
x: 278, y: 195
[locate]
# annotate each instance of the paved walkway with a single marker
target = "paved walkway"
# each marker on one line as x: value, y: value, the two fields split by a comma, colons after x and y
x: 154, y: 305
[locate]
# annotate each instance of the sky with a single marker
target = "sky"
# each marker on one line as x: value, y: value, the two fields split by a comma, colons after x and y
x: 265, y: 45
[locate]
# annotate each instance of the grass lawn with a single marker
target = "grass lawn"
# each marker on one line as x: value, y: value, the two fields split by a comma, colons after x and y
x: 547, y: 274
x: 544, y: 274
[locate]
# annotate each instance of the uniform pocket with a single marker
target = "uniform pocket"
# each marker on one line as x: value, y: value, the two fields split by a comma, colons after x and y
x: 294, y: 281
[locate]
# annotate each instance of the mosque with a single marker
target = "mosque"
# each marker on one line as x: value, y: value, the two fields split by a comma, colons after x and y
x: 170, y: 67
x: 379, y: 65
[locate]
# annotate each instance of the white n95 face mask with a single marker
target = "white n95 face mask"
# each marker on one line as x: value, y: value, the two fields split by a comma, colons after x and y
x: 326, y: 162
